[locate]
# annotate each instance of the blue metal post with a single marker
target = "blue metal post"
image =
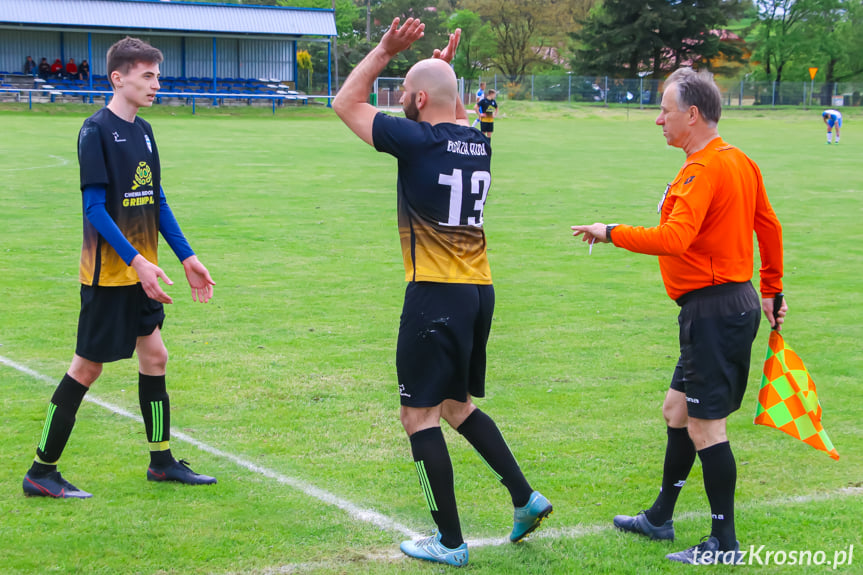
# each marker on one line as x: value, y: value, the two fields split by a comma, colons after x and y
x: 30, y: 98
x: 296, y: 68
x: 90, y: 61
x: 329, y: 74
x: 183, y: 57
x: 215, y: 68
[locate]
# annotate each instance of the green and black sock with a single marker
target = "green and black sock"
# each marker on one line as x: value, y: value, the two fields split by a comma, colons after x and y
x: 434, y: 469
x: 156, y: 409
x: 58, y: 426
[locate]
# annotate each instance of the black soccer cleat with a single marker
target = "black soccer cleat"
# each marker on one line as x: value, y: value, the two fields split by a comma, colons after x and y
x: 708, y: 552
x: 180, y: 472
x: 52, y: 485
x: 640, y: 524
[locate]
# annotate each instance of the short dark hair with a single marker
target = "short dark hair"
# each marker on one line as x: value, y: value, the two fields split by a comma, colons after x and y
x: 125, y: 53
x: 697, y: 89
x: 492, y: 91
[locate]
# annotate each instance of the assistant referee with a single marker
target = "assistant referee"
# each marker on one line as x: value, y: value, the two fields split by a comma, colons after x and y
x: 704, y: 243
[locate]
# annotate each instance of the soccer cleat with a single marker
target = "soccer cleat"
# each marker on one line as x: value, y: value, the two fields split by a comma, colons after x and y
x: 526, y: 519
x: 178, y: 471
x: 707, y: 553
x: 431, y: 549
x: 641, y: 525
x: 52, y: 485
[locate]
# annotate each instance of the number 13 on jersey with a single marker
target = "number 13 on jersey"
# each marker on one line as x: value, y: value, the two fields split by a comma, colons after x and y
x: 463, y: 212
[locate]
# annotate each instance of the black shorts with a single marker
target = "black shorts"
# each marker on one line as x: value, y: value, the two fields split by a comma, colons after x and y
x: 717, y: 327
x: 112, y: 319
x: 442, y: 338
x: 486, y: 127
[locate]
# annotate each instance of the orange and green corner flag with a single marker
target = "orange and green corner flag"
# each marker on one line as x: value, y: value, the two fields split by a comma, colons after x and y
x: 788, y: 400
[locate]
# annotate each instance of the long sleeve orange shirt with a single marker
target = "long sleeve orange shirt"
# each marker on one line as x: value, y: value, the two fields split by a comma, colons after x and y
x: 708, y: 214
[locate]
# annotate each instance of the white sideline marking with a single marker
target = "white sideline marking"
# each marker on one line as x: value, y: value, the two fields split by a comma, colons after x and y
x: 63, y: 162
x: 366, y: 515
x: 384, y: 522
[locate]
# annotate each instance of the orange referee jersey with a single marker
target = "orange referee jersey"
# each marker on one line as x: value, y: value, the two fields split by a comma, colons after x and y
x: 708, y: 214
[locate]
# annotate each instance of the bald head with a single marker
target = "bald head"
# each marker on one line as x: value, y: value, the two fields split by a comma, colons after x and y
x: 434, y: 77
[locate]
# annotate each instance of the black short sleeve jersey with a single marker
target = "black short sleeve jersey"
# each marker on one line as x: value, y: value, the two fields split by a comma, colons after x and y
x: 443, y: 181
x: 485, y: 105
x: 122, y: 157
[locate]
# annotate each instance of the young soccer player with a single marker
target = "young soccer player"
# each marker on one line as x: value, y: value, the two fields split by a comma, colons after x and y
x: 833, y: 119
x: 121, y: 300
x: 486, y: 110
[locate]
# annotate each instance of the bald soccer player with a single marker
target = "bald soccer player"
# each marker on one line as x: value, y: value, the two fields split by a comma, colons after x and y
x: 443, y: 181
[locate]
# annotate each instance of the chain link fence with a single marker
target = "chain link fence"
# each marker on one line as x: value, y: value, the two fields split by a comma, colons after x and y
x: 646, y: 91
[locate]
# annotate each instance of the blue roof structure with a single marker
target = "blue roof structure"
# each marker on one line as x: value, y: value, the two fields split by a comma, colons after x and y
x: 168, y: 16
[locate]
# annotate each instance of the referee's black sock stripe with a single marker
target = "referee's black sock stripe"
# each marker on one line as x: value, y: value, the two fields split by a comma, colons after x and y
x: 679, y: 458
x: 434, y: 469
x: 60, y: 420
x: 483, y: 434
x: 720, y: 480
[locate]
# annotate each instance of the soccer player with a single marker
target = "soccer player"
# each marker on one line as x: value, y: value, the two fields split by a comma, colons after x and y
x: 705, y: 248
x: 486, y: 110
x: 480, y: 94
x: 833, y: 118
x: 443, y: 181
x: 121, y: 299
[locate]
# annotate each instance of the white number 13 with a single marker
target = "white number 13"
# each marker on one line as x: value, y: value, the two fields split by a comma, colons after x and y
x: 479, y: 184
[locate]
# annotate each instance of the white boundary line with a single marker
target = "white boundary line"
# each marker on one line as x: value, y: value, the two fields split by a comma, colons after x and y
x: 384, y: 522
x: 63, y: 162
x: 359, y: 513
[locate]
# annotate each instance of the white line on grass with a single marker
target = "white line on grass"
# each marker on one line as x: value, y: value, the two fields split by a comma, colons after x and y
x: 365, y: 515
x: 574, y: 532
x: 62, y: 162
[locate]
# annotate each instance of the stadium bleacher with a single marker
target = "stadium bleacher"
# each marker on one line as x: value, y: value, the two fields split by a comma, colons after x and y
x: 230, y: 90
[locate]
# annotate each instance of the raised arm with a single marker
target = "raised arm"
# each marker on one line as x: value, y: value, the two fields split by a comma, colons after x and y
x: 352, y: 102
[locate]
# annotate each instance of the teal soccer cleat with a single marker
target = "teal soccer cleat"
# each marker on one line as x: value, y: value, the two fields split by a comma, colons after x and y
x: 526, y: 519
x: 431, y: 549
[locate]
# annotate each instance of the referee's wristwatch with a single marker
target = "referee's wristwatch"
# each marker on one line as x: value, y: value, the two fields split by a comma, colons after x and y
x: 608, y: 232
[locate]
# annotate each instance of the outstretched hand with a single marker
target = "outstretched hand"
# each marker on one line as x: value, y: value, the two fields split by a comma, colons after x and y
x: 448, y: 53
x: 400, y: 39
x: 199, y: 279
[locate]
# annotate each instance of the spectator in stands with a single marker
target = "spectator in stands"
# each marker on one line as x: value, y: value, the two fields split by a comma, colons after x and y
x: 57, y: 68
x: 30, y: 66
x: 71, y: 69
x: 84, y: 70
x: 44, y: 69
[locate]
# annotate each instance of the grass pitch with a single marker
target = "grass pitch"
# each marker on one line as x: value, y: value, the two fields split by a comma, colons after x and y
x: 291, y: 366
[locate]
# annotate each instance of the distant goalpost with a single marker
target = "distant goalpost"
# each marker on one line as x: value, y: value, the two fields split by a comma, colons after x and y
x: 387, y: 92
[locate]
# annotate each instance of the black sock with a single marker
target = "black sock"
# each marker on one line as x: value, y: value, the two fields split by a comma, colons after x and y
x: 482, y: 433
x: 679, y: 457
x: 156, y: 409
x: 434, y: 469
x: 720, y: 480
x: 59, y: 423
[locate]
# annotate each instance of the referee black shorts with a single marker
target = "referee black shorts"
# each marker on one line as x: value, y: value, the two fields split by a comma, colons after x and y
x: 442, y: 339
x: 717, y: 326
x: 112, y: 319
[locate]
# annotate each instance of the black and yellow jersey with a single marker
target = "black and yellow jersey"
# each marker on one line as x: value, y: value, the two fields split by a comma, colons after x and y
x: 122, y: 157
x: 443, y: 181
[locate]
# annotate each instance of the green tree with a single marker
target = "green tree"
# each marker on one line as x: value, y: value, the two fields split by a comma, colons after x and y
x: 621, y: 37
x: 476, y: 47
x: 525, y: 30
